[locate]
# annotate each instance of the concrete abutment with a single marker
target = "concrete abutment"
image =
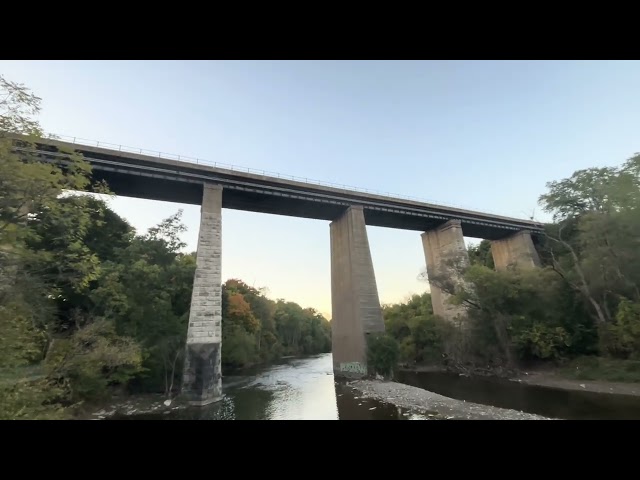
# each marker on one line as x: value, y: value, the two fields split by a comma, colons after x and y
x: 202, y: 375
x: 355, y: 304
x: 515, y: 251
x: 446, y: 257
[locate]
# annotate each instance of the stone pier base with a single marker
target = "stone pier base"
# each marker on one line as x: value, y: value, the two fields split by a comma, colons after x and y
x: 202, y: 373
x: 355, y: 304
x: 202, y: 376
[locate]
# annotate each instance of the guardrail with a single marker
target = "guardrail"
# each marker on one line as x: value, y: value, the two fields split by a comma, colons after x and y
x: 200, y: 161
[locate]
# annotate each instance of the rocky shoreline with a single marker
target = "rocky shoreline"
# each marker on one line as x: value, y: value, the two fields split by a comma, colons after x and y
x: 432, y: 405
x: 135, y: 405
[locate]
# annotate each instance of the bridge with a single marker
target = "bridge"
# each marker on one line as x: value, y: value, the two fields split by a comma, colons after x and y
x: 356, y: 310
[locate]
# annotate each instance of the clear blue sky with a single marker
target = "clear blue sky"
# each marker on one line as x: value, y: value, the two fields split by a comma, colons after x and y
x: 486, y: 135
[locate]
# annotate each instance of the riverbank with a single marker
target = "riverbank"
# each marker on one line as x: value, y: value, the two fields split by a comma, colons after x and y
x: 129, y: 406
x: 433, y: 405
x: 551, y: 377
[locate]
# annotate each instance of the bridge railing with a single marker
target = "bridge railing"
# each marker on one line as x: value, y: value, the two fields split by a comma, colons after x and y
x: 228, y: 166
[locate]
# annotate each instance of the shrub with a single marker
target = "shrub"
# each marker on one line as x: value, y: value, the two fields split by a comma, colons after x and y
x: 383, y: 353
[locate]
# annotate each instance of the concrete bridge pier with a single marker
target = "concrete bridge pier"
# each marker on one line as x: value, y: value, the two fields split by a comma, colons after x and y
x: 515, y: 251
x: 202, y: 376
x: 446, y: 256
x: 355, y: 304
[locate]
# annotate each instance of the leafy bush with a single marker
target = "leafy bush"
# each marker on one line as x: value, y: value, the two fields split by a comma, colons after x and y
x: 20, y: 342
x: 383, y: 353
x: 93, y: 359
x: 621, y: 339
x: 31, y: 400
x: 541, y: 341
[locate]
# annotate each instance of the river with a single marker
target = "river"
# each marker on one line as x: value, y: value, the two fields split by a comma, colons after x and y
x: 546, y: 401
x: 292, y: 389
x: 305, y: 389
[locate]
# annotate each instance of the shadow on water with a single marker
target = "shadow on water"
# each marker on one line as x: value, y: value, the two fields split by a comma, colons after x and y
x: 293, y: 389
x: 545, y: 401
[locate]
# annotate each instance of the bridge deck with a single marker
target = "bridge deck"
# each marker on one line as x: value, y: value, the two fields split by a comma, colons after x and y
x: 144, y: 176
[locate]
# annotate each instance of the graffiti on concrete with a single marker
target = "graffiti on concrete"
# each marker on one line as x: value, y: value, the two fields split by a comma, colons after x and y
x: 353, y: 367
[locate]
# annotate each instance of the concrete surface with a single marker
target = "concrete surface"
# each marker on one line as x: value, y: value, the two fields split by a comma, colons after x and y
x: 446, y: 255
x: 355, y: 304
x: 515, y: 251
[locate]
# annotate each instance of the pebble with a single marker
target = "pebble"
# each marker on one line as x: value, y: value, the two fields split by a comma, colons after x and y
x: 419, y: 400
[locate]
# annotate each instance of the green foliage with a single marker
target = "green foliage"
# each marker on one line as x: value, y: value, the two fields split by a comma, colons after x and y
x: 256, y: 329
x: 519, y: 309
x: 21, y: 343
x: 31, y: 190
x: 383, y: 353
x: 31, y: 400
x: 146, y: 291
x: 17, y: 106
x: 541, y: 341
x: 239, y: 347
x: 62, y: 254
x: 421, y: 335
x: 513, y: 317
x: 93, y: 359
x: 593, y: 244
x: 481, y: 254
x: 621, y: 339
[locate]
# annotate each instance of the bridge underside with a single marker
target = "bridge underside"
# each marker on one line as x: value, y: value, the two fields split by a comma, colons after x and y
x: 164, y: 189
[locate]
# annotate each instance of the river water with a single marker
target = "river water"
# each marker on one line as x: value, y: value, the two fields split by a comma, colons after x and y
x: 305, y: 389
x: 293, y: 389
x: 546, y: 401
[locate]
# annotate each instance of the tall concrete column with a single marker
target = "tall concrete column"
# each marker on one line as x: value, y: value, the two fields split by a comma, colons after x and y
x: 202, y: 377
x: 515, y: 251
x: 446, y: 255
x: 355, y: 304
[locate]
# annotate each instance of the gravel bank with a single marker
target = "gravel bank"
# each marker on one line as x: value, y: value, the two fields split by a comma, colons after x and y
x: 434, y: 405
x: 552, y: 380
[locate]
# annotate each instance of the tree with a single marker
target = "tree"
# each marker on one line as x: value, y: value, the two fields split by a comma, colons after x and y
x: 146, y: 291
x: 481, y: 254
x: 46, y: 260
x: 593, y: 245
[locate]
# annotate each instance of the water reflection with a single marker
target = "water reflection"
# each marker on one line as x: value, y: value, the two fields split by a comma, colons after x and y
x: 295, y: 389
x: 545, y: 401
x: 304, y: 389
